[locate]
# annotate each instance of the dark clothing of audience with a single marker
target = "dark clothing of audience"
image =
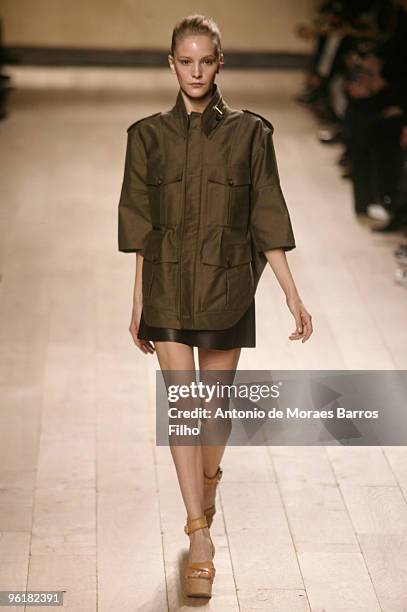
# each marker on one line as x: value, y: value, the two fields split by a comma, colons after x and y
x: 375, y: 114
x: 373, y: 139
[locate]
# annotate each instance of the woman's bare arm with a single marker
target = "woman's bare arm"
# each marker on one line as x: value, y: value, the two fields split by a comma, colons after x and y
x: 278, y: 261
x: 143, y: 345
x: 137, y: 293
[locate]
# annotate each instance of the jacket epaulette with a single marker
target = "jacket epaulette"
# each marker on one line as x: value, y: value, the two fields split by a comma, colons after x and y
x: 266, y: 121
x: 142, y: 119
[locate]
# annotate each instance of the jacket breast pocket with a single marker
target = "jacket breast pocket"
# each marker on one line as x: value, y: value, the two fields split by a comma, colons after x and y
x: 227, y: 275
x: 228, y: 195
x: 160, y: 270
x: 165, y: 194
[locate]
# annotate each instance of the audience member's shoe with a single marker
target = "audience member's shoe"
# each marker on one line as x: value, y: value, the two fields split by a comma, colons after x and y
x: 394, y: 225
x: 330, y: 136
x: 400, y: 276
x: 402, y: 260
x: 347, y: 171
x: 401, y: 251
x: 378, y: 212
x: 401, y: 254
x: 344, y: 160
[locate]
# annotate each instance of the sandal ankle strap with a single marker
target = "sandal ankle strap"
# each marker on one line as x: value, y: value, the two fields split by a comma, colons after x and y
x: 214, y: 479
x: 195, y: 524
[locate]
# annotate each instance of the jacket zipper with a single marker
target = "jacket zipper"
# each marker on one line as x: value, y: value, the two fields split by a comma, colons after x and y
x: 197, y: 261
x: 182, y: 222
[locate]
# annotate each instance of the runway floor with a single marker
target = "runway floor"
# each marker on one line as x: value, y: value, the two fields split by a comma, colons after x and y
x: 88, y: 503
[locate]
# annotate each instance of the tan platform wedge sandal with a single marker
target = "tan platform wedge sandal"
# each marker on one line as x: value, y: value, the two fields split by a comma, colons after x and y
x: 213, y: 481
x: 199, y: 575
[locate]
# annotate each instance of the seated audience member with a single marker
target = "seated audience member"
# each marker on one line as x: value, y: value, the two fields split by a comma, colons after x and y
x: 374, y: 122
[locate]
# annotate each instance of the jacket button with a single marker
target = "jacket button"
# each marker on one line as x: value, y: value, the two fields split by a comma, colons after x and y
x: 228, y: 262
x: 159, y: 180
x: 230, y: 181
x: 155, y: 257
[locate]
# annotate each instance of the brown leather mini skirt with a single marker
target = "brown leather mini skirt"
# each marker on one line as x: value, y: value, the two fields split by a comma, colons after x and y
x: 242, y: 333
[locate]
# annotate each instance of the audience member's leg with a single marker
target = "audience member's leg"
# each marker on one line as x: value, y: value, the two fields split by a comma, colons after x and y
x: 358, y: 119
x: 390, y: 157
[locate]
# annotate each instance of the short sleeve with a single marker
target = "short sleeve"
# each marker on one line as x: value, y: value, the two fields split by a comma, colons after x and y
x: 134, y: 220
x: 270, y: 223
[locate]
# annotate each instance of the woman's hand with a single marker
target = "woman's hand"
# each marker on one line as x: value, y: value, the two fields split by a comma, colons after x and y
x: 143, y: 345
x: 302, y: 318
x: 278, y: 262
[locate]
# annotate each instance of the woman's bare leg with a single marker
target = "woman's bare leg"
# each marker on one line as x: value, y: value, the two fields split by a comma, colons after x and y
x: 212, y: 359
x: 187, y: 458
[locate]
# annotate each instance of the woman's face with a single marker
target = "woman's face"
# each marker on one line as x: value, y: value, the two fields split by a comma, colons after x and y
x: 195, y: 64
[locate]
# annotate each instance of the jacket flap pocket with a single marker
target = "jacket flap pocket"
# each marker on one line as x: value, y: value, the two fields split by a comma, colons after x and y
x: 240, y: 174
x: 159, y: 246
x: 161, y: 176
x: 154, y: 175
x: 235, y: 174
x: 172, y: 173
x: 229, y: 255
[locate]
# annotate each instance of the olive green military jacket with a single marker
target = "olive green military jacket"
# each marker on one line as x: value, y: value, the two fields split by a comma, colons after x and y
x: 201, y: 200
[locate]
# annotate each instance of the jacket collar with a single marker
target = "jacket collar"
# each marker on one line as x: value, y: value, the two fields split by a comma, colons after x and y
x: 212, y: 115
